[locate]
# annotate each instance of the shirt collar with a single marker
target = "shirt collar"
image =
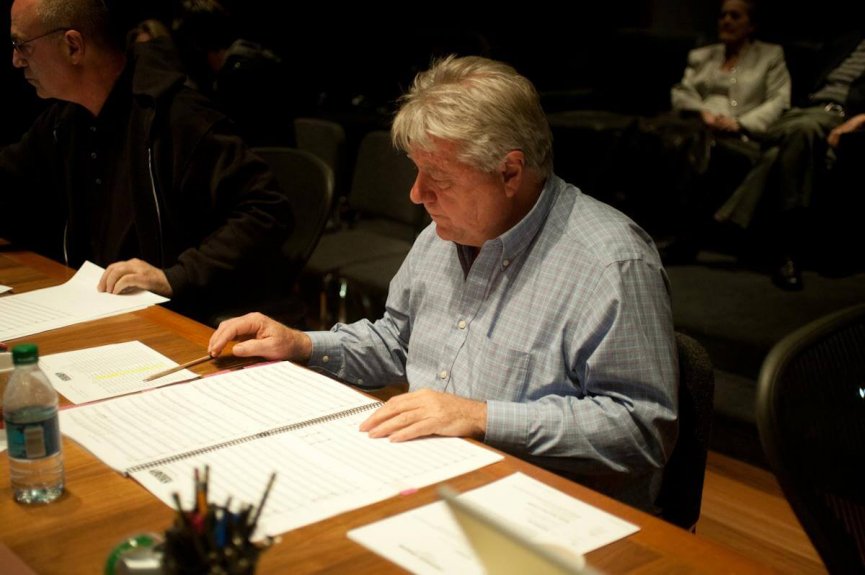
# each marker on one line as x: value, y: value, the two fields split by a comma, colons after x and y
x: 517, y: 239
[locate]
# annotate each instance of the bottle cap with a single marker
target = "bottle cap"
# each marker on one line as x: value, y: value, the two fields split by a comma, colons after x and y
x: 25, y: 353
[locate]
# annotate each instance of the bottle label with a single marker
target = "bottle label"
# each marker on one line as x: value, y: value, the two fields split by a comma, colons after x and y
x: 32, y: 439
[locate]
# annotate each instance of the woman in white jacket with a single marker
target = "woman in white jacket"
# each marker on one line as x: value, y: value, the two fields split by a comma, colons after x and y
x: 738, y: 85
x: 737, y: 88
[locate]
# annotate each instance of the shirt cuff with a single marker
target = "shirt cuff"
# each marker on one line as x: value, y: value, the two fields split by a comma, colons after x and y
x: 507, y: 424
x: 326, y: 351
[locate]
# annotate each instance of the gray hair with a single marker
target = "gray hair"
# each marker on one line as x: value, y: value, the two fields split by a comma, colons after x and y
x: 90, y: 17
x: 486, y: 107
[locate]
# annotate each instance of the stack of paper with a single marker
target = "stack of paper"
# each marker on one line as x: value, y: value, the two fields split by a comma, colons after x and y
x: 73, y: 302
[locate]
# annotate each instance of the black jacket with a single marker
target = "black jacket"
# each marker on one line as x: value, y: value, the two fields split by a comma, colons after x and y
x: 204, y: 208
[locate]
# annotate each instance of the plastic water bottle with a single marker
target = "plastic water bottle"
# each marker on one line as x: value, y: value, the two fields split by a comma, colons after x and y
x: 32, y: 430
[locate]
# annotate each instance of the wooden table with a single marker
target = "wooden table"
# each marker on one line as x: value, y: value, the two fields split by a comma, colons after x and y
x: 101, y: 507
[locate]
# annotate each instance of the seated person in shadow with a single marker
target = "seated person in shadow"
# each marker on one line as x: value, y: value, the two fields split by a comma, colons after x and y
x: 736, y: 88
x: 527, y: 315
x: 248, y: 81
x: 798, y: 149
x: 147, y: 30
x: 129, y: 168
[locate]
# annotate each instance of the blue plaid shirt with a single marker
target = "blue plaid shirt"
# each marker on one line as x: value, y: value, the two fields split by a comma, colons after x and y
x: 562, y: 325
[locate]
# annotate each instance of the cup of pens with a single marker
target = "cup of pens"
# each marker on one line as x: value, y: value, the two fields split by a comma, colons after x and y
x: 213, y: 539
x: 208, y: 539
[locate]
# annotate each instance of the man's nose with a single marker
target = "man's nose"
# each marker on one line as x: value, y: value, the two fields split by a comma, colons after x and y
x: 419, y: 191
x: 18, y: 61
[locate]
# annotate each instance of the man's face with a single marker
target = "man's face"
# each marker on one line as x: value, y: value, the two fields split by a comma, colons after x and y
x: 40, y: 57
x: 468, y: 206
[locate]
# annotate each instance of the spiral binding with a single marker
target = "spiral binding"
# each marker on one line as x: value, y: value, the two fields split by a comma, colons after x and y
x: 253, y: 436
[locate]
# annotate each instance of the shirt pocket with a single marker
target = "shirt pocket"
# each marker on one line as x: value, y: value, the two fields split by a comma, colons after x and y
x: 503, y: 373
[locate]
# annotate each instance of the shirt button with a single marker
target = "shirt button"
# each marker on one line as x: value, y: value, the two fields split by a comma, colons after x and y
x: 360, y: 382
x: 732, y: 80
x: 443, y: 374
x: 461, y: 324
x: 92, y: 128
x: 506, y: 263
x: 98, y: 181
x: 325, y: 358
x: 734, y: 103
x: 92, y: 155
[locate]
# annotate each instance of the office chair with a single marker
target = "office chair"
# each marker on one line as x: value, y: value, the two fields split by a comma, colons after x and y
x: 811, y: 418
x: 326, y: 139
x: 308, y: 183
x: 681, y: 493
x: 381, y: 221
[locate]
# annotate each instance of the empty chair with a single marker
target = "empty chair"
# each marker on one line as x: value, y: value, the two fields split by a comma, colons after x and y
x: 369, y: 280
x: 681, y: 493
x: 381, y: 220
x: 308, y: 183
x: 811, y: 417
x: 325, y: 139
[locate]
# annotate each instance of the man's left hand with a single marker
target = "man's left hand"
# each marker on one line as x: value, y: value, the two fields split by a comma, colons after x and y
x: 427, y: 412
x: 131, y: 275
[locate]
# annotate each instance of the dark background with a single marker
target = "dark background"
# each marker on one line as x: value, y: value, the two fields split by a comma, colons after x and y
x: 362, y: 56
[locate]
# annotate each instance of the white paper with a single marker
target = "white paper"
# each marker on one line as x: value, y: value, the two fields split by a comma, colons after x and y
x: 321, y: 471
x: 108, y: 371
x: 137, y: 429
x: 249, y: 423
x: 428, y: 540
x: 72, y: 302
x: 4, y: 289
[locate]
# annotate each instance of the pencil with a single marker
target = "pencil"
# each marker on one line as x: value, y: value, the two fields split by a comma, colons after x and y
x: 159, y: 374
x: 263, y: 500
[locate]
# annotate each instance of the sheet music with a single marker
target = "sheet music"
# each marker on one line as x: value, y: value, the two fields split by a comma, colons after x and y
x: 428, y: 540
x: 108, y: 371
x: 72, y: 302
x: 321, y: 470
x: 137, y: 429
x: 237, y: 423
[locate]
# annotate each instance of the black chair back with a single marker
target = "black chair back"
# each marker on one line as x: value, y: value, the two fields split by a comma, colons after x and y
x: 681, y: 493
x: 308, y: 183
x: 811, y: 417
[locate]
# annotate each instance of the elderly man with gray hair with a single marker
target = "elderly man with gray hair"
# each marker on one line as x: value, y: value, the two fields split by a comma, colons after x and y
x: 527, y: 315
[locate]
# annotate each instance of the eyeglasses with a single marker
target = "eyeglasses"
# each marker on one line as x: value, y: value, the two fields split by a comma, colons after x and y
x: 20, y: 46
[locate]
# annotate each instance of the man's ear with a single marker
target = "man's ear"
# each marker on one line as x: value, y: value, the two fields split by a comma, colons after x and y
x: 75, y: 46
x: 513, y: 171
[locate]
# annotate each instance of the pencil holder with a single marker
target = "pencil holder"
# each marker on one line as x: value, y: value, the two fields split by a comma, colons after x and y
x: 212, y: 539
x: 216, y: 542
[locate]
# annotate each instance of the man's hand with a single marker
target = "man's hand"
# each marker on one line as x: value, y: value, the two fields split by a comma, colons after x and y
x: 426, y: 412
x: 131, y: 275
x: 851, y: 125
x: 272, y: 340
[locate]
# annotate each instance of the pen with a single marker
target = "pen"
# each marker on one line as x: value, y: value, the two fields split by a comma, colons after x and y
x: 179, y: 367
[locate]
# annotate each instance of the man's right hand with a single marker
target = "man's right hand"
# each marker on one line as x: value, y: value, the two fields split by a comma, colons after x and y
x: 269, y: 339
